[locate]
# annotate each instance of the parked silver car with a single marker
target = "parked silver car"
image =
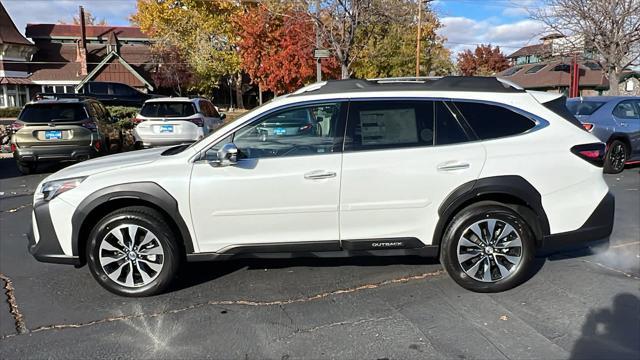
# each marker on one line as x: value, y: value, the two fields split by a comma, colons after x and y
x: 616, y: 121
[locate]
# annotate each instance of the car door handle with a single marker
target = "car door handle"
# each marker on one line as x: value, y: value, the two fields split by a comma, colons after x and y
x: 319, y: 174
x: 452, y: 166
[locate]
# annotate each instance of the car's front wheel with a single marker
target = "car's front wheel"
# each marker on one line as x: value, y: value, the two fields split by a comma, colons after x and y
x: 616, y: 157
x: 488, y: 248
x: 132, y: 252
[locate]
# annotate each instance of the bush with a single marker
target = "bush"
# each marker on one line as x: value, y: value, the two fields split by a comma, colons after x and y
x: 10, y: 112
x: 124, y: 114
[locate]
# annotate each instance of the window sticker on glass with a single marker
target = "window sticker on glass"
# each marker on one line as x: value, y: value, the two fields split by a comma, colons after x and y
x: 392, y: 126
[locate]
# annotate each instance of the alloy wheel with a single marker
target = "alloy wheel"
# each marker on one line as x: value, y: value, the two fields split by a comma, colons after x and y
x: 490, y: 250
x: 618, y: 156
x: 131, y: 255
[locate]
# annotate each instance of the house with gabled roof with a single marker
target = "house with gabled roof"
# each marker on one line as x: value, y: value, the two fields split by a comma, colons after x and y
x: 60, y: 58
x: 15, y: 54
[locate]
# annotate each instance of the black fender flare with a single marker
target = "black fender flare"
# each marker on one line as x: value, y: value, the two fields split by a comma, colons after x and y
x: 509, y: 185
x: 147, y: 191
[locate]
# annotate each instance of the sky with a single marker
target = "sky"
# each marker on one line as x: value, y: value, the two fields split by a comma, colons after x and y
x: 466, y: 22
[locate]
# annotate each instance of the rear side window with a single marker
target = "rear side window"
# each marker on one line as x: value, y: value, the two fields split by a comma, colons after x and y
x: 491, y: 121
x: 584, y: 107
x: 59, y: 112
x: 389, y: 124
x: 167, y: 109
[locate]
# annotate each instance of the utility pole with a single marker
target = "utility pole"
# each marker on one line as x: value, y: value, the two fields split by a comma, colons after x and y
x: 318, y: 64
x: 420, y: 2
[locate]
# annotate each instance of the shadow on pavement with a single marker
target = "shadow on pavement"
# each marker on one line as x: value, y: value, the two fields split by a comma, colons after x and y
x: 196, y: 273
x: 611, y: 333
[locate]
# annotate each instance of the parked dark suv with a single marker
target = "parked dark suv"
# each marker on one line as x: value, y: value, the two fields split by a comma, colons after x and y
x: 109, y: 93
x: 66, y: 129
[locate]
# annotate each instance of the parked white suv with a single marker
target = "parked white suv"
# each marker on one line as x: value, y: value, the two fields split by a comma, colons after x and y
x: 473, y: 170
x: 170, y: 121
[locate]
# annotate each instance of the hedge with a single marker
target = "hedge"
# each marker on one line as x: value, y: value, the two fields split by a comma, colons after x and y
x: 124, y: 114
x: 10, y: 112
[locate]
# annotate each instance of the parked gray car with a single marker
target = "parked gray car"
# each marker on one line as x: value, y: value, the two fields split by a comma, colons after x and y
x: 616, y: 121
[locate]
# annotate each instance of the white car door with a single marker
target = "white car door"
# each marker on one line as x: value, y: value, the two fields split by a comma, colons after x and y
x: 283, y: 190
x: 393, y: 177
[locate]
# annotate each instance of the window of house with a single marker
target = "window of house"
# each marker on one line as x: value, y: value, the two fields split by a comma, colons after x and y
x: 492, y: 121
x: 2, y: 104
x: 535, y: 69
x: 562, y: 67
x: 512, y: 71
x: 593, y: 65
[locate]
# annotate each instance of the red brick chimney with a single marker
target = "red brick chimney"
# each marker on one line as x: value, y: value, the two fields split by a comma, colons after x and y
x: 81, y: 48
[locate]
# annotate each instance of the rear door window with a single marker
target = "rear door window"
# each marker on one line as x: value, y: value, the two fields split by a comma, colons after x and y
x: 58, y: 112
x: 389, y: 124
x: 493, y: 121
x: 448, y: 129
x: 168, y: 109
x: 625, y: 110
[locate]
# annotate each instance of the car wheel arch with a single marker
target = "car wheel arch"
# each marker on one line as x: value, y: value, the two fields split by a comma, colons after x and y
x: 511, y: 191
x: 106, y: 200
x: 622, y: 137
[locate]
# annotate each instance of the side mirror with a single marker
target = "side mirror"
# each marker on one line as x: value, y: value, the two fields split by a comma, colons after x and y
x: 223, y: 116
x: 228, y: 155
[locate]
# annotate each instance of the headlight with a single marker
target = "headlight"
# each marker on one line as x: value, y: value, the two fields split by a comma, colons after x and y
x: 54, y: 188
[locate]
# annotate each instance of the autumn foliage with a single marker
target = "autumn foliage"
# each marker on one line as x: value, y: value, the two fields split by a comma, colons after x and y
x: 276, y: 48
x: 484, y: 60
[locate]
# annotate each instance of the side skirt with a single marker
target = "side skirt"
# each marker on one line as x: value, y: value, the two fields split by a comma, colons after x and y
x: 322, y: 249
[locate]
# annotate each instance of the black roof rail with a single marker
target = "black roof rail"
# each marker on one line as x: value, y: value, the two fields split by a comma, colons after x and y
x: 447, y: 83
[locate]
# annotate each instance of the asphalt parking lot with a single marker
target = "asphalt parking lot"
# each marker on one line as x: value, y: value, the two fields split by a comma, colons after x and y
x: 577, y: 306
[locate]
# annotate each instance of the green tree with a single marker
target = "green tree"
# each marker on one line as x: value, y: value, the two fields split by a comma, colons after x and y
x: 390, y: 44
x: 203, y: 34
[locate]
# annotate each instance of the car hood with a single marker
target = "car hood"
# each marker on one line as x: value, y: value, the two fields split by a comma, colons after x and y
x: 107, y: 163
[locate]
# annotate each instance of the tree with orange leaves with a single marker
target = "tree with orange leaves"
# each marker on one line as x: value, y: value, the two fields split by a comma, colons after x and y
x: 483, y: 61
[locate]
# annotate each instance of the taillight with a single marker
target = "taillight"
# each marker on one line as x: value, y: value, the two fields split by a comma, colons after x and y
x: 97, y: 145
x: 89, y: 124
x: 13, y: 147
x: 593, y: 153
x: 198, y: 121
x: 305, y: 127
x: 15, y: 126
x: 137, y: 120
x: 587, y: 126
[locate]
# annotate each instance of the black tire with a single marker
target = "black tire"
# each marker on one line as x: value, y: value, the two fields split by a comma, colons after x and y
x: 25, y: 168
x: 617, y: 155
x: 458, y: 226
x: 149, y: 220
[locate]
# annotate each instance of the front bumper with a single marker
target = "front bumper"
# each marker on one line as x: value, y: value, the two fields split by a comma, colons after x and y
x: 594, y: 232
x: 60, y: 153
x: 47, y: 247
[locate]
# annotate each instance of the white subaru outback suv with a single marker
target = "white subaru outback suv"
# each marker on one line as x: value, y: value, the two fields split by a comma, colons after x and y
x: 476, y: 171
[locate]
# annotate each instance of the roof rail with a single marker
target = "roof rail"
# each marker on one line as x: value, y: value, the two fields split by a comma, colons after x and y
x: 409, y: 79
x: 447, y: 83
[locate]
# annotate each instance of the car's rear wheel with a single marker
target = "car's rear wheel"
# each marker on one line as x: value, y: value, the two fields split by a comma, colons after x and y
x: 617, y: 155
x: 132, y: 252
x: 26, y: 168
x: 488, y: 248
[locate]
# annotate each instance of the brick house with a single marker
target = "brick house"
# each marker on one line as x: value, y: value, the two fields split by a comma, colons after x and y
x: 547, y: 67
x: 62, y: 57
